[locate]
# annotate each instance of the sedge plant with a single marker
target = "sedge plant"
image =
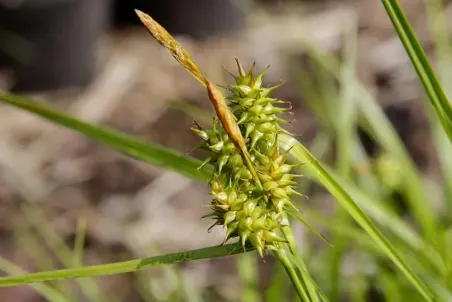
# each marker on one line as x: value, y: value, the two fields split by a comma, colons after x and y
x: 251, y: 179
x: 251, y: 182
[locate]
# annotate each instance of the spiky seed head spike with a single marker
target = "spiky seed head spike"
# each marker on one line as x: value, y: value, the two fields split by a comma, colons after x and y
x: 251, y: 193
x: 197, y: 125
x: 290, y: 205
x: 270, y: 185
x: 285, y: 183
x: 260, y: 78
x: 209, y: 215
x: 256, y: 109
x: 249, y: 128
x: 267, y: 127
x: 246, y: 103
x: 251, y: 75
x: 229, y: 217
x: 278, y: 204
x: 291, y: 191
x: 255, y: 136
x: 236, y: 160
x: 262, y: 223
x: 201, y: 133
x: 217, y: 147
x: 281, y: 159
x: 228, y: 147
x: 244, y: 237
x: 243, y: 90
x: 263, y: 159
x: 221, y: 197
x: 249, y: 206
x: 220, y: 207
x: 270, y: 236
x: 236, y: 78
x: 256, y: 240
x: 243, y: 118
x: 231, y: 228
x: 213, y: 225
x: 205, y: 162
x: 215, y: 184
x: 258, y: 212
x: 266, y: 91
x: 279, y: 193
x: 240, y: 67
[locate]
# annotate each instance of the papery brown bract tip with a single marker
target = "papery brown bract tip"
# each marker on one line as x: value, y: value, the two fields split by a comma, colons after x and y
x: 174, y: 47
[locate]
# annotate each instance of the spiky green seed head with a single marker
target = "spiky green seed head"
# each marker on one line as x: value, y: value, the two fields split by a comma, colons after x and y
x: 248, y: 211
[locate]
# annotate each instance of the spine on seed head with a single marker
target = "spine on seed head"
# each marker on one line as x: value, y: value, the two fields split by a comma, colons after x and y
x: 254, y: 213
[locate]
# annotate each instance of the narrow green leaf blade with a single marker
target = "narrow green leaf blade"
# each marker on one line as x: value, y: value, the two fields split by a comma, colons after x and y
x: 128, y: 144
x: 380, y: 128
x: 126, y: 266
x: 43, y: 289
x: 301, y: 154
x: 437, y: 21
x: 421, y: 63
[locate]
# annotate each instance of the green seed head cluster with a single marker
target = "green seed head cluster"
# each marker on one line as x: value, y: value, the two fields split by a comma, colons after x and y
x: 249, y: 208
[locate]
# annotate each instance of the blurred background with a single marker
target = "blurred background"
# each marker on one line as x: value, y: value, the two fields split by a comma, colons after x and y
x: 95, y: 60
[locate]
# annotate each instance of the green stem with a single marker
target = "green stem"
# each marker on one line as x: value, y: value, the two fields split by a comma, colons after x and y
x: 301, y: 291
x: 287, y: 231
x: 43, y: 289
x: 345, y: 200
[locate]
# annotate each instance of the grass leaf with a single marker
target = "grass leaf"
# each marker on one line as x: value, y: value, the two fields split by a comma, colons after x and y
x: 302, y: 155
x: 42, y: 289
x: 128, y: 144
x: 421, y: 63
x: 376, y: 124
x: 443, y: 52
x: 126, y: 266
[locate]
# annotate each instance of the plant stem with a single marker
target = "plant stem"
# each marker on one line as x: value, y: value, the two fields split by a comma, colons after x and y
x: 288, y: 266
x: 287, y: 231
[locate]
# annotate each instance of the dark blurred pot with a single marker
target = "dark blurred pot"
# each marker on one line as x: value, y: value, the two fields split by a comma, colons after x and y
x: 60, y: 35
x: 200, y: 19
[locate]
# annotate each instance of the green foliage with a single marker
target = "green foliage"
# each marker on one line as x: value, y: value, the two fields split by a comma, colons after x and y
x: 253, y: 211
x: 437, y: 97
x: 252, y: 182
x: 127, y: 144
x: 344, y: 199
x: 126, y: 266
